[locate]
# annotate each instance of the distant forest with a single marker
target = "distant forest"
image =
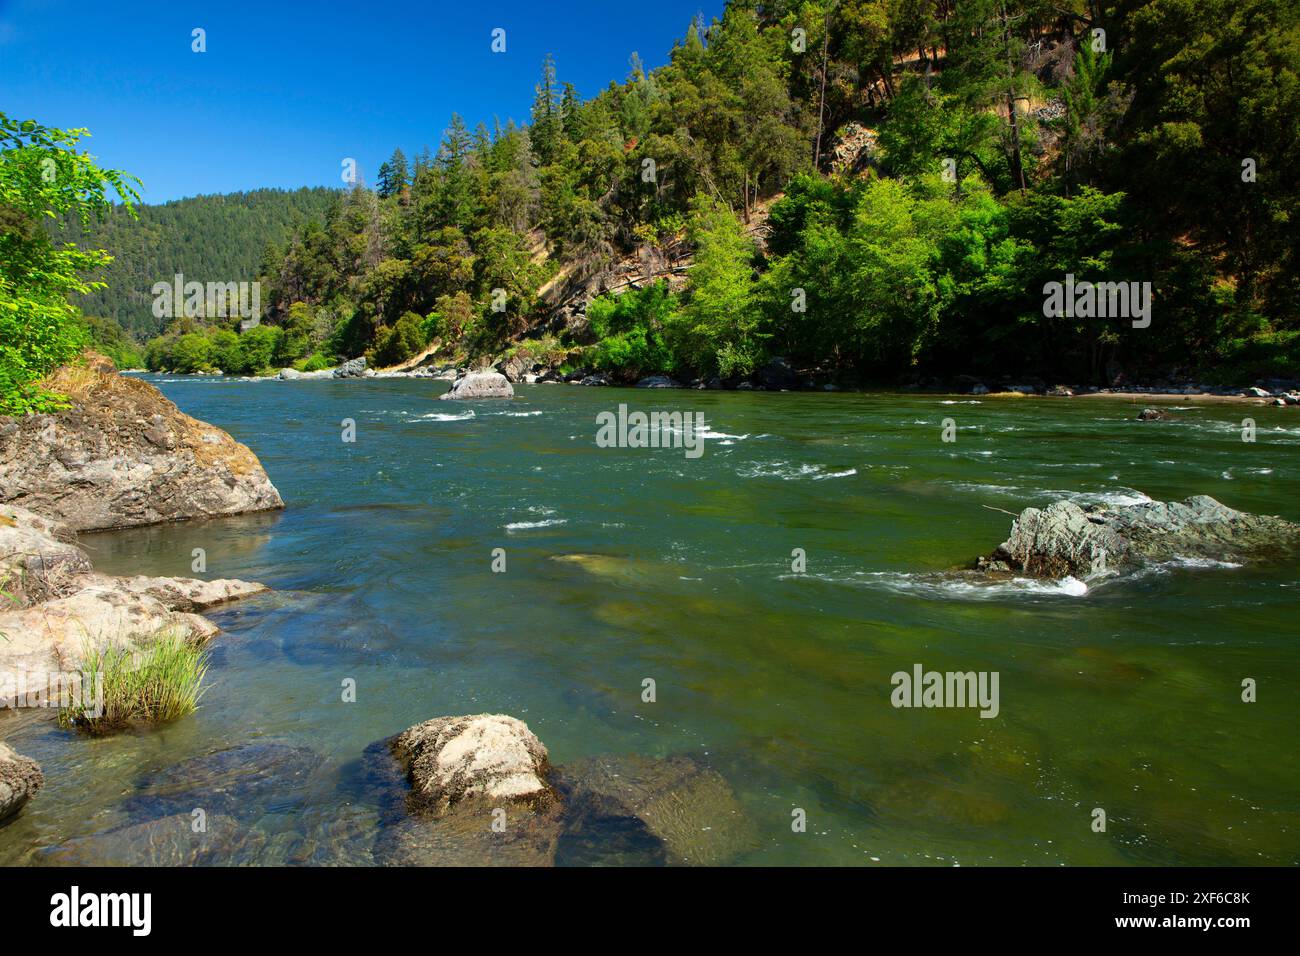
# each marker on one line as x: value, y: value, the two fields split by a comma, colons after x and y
x: 877, y: 189
x: 208, y: 238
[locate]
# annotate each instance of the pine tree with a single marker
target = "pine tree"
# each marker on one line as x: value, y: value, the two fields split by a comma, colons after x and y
x: 393, y: 176
x: 547, y: 120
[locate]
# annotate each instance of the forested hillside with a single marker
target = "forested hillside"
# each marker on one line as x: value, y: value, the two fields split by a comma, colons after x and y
x: 929, y: 166
x: 207, y: 238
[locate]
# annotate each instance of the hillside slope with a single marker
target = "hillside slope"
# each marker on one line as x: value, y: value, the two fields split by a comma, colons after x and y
x: 207, y: 238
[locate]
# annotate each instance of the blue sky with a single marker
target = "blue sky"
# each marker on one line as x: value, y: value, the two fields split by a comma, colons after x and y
x: 286, y: 91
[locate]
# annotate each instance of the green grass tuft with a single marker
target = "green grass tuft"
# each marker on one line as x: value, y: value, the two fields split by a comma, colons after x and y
x: 157, y: 682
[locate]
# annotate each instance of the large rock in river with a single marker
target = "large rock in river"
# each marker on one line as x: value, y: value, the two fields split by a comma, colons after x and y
x: 123, y: 455
x: 1065, y: 539
x: 486, y: 757
x: 20, y: 778
x: 483, y: 384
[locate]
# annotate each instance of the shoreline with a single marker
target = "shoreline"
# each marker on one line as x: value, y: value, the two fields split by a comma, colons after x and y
x: 1128, y: 396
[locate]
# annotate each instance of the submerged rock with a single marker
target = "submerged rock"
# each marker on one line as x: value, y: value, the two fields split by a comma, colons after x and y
x: 476, y: 385
x: 485, y: 757
x: 479, y: 836
x: 241, y: 781
x: 1065, y: 539
x: 170, y: 841
x: 674, y: 807
x: 123, y: 455
x: 20, y: 778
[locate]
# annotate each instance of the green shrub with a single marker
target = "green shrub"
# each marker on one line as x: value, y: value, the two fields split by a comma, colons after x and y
x: 403, y: 340
x: 629, y: 331
x: 313, y: 363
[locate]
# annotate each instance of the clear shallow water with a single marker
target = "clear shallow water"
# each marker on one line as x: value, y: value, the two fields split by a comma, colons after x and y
x: 1126, y: 697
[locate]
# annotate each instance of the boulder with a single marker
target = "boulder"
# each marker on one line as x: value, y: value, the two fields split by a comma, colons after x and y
x: 480, y: 791
x: 478, y: 385
x: 1065, y: 539
x: 979, y: 389
x: 20, y: 778
x: 123, y: 455
x: 487, y: 759
x: 658, y: 381
x: 289, y: 374
x: 777, y: 374
x: 1154, y: 415
x: 54, y: 636
x: 352, y: 368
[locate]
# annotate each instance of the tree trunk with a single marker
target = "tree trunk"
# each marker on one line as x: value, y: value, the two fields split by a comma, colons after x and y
x: 821, y: 100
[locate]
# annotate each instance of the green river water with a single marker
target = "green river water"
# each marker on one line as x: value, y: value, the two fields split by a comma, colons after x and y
x: 1126, y: 696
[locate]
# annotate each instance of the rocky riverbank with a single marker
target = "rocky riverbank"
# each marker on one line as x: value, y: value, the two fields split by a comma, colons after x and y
x: 120, y: 457
x: 780, y: 375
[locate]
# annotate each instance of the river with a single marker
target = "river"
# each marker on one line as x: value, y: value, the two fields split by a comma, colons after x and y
x: 623, y: 565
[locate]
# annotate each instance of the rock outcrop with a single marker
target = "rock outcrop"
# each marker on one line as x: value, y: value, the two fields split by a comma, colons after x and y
x: 489, y: 757
x: 1065, y: 539
x: 20, y: 778
x: 123, y: 455
x: 55, y: 607
x: 481, y: 384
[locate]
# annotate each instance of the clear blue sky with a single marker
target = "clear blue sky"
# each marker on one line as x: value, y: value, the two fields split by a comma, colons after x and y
x: 285, y: 90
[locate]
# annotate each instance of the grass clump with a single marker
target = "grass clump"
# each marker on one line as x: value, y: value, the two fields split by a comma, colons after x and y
x: 152, y: 683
